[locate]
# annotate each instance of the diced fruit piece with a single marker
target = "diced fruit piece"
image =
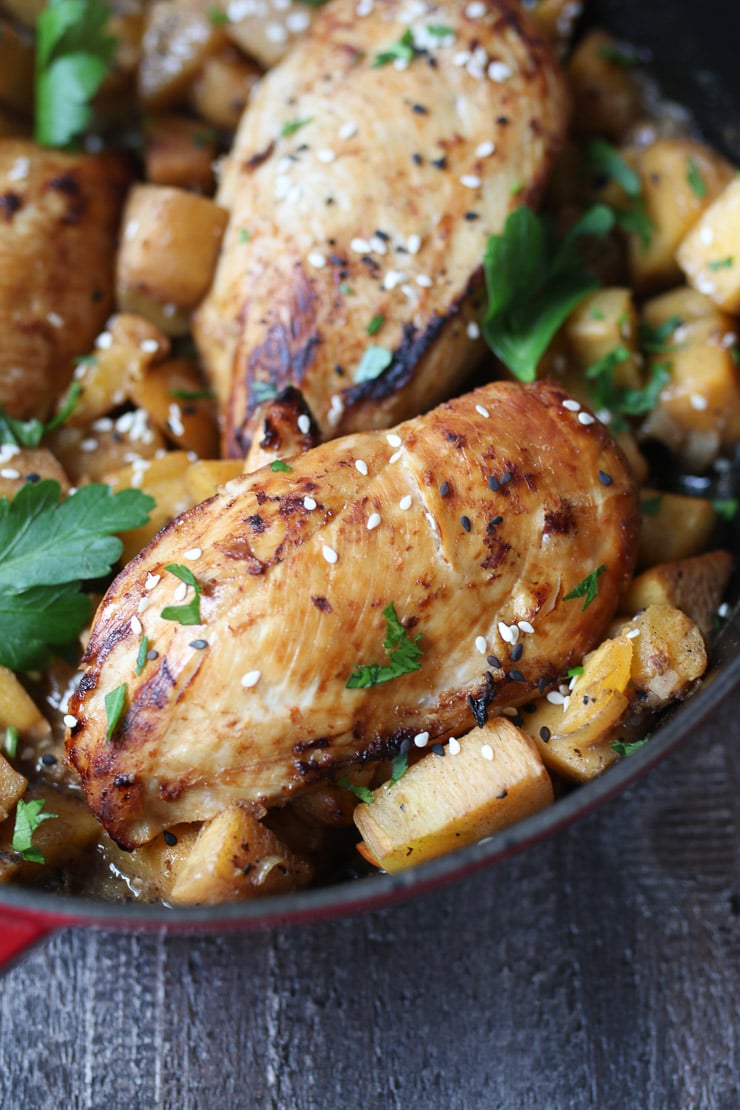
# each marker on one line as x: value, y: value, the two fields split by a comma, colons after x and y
x: 668, y: 655
x: 18, y: 710
x: 606, y: 95
x: 710, y: 253
x: 604, y: 321
x: 152, y: 870
x: 696, y: 586
x: 12, y: 787
x: 60, y: 840
x: 673, y: 527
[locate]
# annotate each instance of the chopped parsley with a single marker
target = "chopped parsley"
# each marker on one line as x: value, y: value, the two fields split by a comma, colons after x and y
x: 263, y: 391
x: 346, y: 289
x: 278, y: 465
x: 588, y: 589
x: 244, y: 235
x: 29, y: 433
x: 192, y: 394
x: 403, y: 656
x: 372, y: 364
x: 10, y: 743
x: 28, y: 817
x: 634, y: 219
x: 534, y: 282
x: 625, y: 748
x: 115, y: 703
x: 48, y: 549
x: 292, y: 126
x: 696, y: 182
x: 575, y: 672
x: 605, y: 161
x: 74, y: 53
x: 439, y: 30
x: 726, y: 508
x: 618, y: 56
x: 402, y: 51
x: 650, y: 506
x: 654, y: 340
x: 218, y: 18
x: 141, y: 657
x: 399, y: 767
x: 361, y: 792
x: 375, y: 325
x: 722, y: 263
x: 619, y: 400
x: 189, y: 613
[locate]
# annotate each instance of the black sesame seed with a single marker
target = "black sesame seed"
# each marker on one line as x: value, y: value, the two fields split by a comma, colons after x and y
x: 438, y: 749
x: 384, y: 234
x: 530, y: 707
x: 465, y: 521
x: 502, y: 120
x: 517, y: 653
x: 497, y: 520
x: 32, y: 477
x: 545, y: 733
x: 198, y: 644
x: 420, y: 110
x: 518, y: 720
x: 494, y: 662
x: 48, y: 760
x: 417, y: 159
x: 169, y: 838
x: 440, y: 163
x: 604, y: 478
x: 506, y: 478
x: 493, y: 483
x: 152, y: 654
x: 469, y: 216
x: 339, y: 370
x: 542, y: 685
x: 444, y: 489
x: 503, y: 793
x: 405, y: 747
x: 516, y: 676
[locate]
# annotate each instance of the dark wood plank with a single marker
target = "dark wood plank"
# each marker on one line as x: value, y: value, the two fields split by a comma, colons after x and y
x: 600, y: 969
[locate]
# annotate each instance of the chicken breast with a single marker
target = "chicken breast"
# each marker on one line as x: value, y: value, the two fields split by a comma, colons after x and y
x: 364, y: 181
x: 59, y: 216
x: 476, y: 522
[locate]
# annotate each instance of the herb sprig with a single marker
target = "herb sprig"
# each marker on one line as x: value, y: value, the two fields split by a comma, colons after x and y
x: 29, y: 433
x: 403, y: 656
x: 28, y: 817
x: 588, y: 589
x: 189, y: 613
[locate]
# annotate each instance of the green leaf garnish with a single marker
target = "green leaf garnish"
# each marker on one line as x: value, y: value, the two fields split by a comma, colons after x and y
x: 278, y: 464
x: 653, y: 340
x: 218, y: 18
x: 726, y: 508
x: 29, y: 433
x: 619, y: 400
x: 184, y: 614
x: 534, y: 283
x: 588, y: 589
x: 346, y: 289
x: 48, y: 549
x: 115, y: 703
x: 403, y: 655
x: 292, y: 126
x: 10, y: 744
x: 575, y: 672
x: 244, y: 235
x: 361, y: 792
x: 634, y: 218
x: 375, y: 325
x: 372, y: 364
x: 403, y: 51
x: 192, y: 394
x: 619, y: 56
x: 73, y: 56
x: 141, y: 656
x: 439, y: 30
x: 604, y: 160
x: 622, y: 748
x: 695, y: 179
x: 650, y: 506
x: 399, y: 767
x: 28, y: 817
x: 722, y: 263
x: 262, y: 391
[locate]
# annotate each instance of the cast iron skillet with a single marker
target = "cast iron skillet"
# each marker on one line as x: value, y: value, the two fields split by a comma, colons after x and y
x: 695, y: 59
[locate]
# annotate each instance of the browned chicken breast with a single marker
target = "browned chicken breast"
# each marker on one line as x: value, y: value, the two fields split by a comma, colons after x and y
x: 365, y: 178
x: 475, y: 522
x: 59, y: 216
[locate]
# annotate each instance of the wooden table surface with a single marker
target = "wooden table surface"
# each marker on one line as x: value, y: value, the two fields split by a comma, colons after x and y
x: 598, y: 969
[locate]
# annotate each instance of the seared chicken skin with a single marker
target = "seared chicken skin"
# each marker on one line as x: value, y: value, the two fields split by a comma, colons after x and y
x: 475, y: 521
x: 59, y: 216
x: 361, y: 192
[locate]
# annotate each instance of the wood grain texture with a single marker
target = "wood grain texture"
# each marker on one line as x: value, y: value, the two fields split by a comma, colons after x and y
x: 599, y: 969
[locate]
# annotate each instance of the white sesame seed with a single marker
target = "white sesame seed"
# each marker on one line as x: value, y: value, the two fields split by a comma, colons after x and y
x: 461, y: 58
x: 571, y: 406
x: 364, y: 7
x: 586, y: 418
x: 633, y: 633
x: 509, y: 711
x: 413, y: 244
x: 482, y: 410
x: 470, y: 181
x: 705, y: 285
x: 174, y: 420
x: 504, y: 632
x: 724, y: 610
x: 555, y: 697
x: 143, y: 604
x: 499, y: 71
x: 424, y: 281
x: 393, y: 278
x: 473, y: 330
x: 729, y: 339
x: 304, y: 423
x: 11, y: 474
x: 698, y: 402
x: 485, y: 150
x: 706, y: 235
x: 421, y: 739
x: 405, y: 502
x: 251, y: 678
x: 347, y: 130
x: 20, y: 169
x: 481, y: 644
x: 89, y: 445
x: 525, y: 626
x: 326, y: 156
x: 336, y: 408
x: 377, y: 245
x: 566, y: 703
x: 393, y: 439
x: 149, y: 346
x: 359, y: 246
x: 309, y: 503
x: 373, y: 521
x: 361, y: 465
x: 151, y: 581
x: 70, y: 721
x: 181, y: 592
x: 282, y: 186
x: 317, y: 260
x: 104, y: 340
x: 8, y: 451
x: 55, y: 319
x: 329, y: 553
x: 193, y: 554
x: 475, y: 10
x: 275, y: 32
x: 486, y: 751
x: 395, y: 456
x: 297, y: 22
x: 453, y: 746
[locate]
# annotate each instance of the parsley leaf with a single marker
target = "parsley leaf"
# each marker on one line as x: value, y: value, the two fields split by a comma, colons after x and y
x: 73, y: 56
x: 634, y: 219
x: 403, y: 51
x: 141, y: 656
x: 48, y: 548
x: 604, y: 160
x: 726, y: 508
x: 184, y: 614
x: 439, y: 30
x: 650, y: 506
x: 29, y: 433
x: 361, y: 792
x: 399, y: 767
x: 278, y: 464
x: 372, y: 364
x: 619, y: 56
x: 11, y: 742
x: 587, y: 589
x: 294, y: 125
x: 722, y: 263
x: 115, y: 703
x: 653, y: 340
x: 619, y: 400
x: 534, y: 283
x: 403, y: 655
x: 622, y: 748
x: 696, y: 181
x: 28, y: 817
x: 375, y: 325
